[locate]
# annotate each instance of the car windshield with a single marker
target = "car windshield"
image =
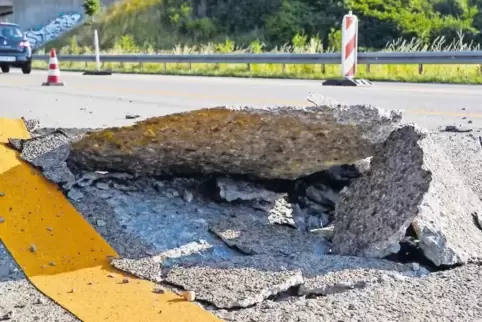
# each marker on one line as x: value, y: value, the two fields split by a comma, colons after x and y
x: 11, y: 32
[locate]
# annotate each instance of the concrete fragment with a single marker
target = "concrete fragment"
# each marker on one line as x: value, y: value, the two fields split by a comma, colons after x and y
x: 465, y: 152
x: 184, y: 250
x: 322, y: 194
x: 189, y: 296
x: 282, y: 213
x: 35, y: 147
x: 48, y: 152
x: 145, y: 268
x: 16, y: 144
x: 31, y: 124
x: 335, y: 274
x: 411, y: 182
x: 101, y: 223
x: 269, y: 143
x: 239, y: 282
x: 444, y: 296
x: 457, y: 129
x: 102, y: 185
x: 325, y: 232
x: 235, y: 190
x: 253, y: 237
x: 132, y: 116
x: 188, y: 196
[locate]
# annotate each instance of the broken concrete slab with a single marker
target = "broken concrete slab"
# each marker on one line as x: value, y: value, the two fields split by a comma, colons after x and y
x: 444, y: 296
x: 31, y: 124
x: 268, y: 143
x: 334, y: 274
x: 256, y: 237
x: 235, y: 283
x: 236, y: 190
x: 145, y: 268
x: 35, y: 147
x: 465, y: 152
x: 411, y: 182
x: 47, y: 152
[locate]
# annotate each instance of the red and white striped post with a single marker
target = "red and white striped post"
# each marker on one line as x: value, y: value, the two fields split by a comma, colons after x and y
x: 349, y: 50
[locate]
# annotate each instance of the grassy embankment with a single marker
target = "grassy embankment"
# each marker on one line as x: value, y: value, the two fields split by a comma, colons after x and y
x: 126, y: 20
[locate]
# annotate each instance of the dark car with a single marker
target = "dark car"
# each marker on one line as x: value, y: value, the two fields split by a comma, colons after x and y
x: 15, y: 49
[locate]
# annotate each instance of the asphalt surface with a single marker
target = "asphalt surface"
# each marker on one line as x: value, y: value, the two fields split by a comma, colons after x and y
x: 100, y: 101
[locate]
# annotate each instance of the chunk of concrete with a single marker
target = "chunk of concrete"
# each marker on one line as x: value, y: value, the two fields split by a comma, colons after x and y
x: 443, y: 296
x: 268, y: 143
x: 411, y: 181
x: 236, y: 283
x: 256, y: 237
x: 332, y: 274
x: 233, y: 190
x: 282, y: 213
x: 146, y: 268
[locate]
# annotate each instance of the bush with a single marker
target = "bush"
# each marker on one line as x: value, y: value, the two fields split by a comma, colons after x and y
x: 91, y: 7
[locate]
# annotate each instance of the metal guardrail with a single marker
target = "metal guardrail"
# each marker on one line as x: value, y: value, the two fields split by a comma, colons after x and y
x: 442, y: 57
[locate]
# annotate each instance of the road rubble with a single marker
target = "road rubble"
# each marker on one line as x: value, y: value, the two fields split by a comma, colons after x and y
x: 328, y: 212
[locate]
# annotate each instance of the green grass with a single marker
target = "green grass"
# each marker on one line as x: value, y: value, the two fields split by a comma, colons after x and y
x: 460, y: 74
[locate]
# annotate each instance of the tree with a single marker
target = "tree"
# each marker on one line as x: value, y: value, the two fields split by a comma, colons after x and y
x: 91, y: 7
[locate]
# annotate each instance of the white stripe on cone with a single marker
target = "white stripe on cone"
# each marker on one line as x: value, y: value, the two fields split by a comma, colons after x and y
x: 53, y: 60
x: 54, y: 72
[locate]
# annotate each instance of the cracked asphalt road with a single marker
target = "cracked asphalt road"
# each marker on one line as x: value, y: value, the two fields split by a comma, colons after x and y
x: 100, y: 101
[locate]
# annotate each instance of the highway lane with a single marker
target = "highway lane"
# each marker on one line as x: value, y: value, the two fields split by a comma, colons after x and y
x: 99, y: 101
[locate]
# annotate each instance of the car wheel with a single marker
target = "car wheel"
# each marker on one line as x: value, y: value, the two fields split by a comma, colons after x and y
x: 27, y: 68
x: 5, y: 68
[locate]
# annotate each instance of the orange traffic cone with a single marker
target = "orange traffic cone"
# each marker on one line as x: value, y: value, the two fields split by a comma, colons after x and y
x: 53, y: 78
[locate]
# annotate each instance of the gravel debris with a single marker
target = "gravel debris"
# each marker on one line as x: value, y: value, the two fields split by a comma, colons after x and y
x: 101, y: 223
x: 189, y: 296
x: 159, y: 290
x: 457, y: 129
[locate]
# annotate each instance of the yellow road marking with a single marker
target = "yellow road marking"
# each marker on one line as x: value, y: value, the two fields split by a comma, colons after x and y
x: 70, y: 262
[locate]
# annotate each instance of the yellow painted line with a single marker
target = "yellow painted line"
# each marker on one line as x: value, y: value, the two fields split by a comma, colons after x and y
x: 70, y: 263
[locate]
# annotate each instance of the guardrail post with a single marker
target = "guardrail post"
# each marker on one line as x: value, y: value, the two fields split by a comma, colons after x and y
x: 420, y: 69
x: 97, y: 59
x: 323, y: 69
x: 349, y: 53
x: 368, y: 68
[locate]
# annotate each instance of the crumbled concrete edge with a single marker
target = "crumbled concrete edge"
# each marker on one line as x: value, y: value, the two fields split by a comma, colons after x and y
x: 236, y: 283
x: 145, y: 268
